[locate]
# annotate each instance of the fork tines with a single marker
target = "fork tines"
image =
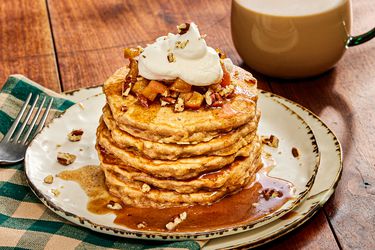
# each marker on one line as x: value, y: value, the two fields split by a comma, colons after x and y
x: 20, y: 136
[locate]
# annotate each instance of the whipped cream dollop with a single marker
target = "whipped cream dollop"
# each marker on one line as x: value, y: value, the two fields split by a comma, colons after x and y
x: 185, y: 56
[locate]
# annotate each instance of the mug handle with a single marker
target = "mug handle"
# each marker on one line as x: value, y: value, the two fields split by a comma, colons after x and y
x: 357, y: 40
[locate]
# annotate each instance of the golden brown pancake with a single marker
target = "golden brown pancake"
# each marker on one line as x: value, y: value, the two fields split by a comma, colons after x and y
x: 155, y: 157
x: 131, y: 192
x: 162, y: 124
x: 233, y: 174
x: 183, y: 168
x: 223, y: 145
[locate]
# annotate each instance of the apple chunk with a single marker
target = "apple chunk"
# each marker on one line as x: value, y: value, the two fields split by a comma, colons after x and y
x: 186, y: 96
x: 153, y: 89
x: 180, y: 86
x: 139, y: 86
x: 195, y: 101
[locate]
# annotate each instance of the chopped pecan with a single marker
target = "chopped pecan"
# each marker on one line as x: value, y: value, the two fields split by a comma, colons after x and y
x: 217, y: 104
x: 219, y: 101
x: 295, y: 152
x: 48, y: 179
x: 183, y: 28
x: 171, y: 58
x: 114, y: 205
x: 165, y: 93
x: 75, y: 135
x: 143, y: 101
x: 173, y: 94
x: 164, y: 101
x: 271, y: 193
x: 181, y: 44
x: 131, y: 77
x: 271, y: 141
x: 229, y: 89
x: 230, y: 95
x: 215, y: 87
x: 65, y: 158
x: 208, y: 97
x: 179, y: 106
x: 177, y: 220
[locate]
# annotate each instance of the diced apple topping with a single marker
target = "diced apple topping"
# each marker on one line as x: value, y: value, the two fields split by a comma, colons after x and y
x: 186, y: 96
x: 153, y: 89
x: 178, y: 94
x: 139, y: 85
x: 131, y: 53
x: 195, y: 102
x: 180, y: 86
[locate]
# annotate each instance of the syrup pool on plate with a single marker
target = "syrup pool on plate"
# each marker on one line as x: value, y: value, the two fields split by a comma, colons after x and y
x: 264, y: 196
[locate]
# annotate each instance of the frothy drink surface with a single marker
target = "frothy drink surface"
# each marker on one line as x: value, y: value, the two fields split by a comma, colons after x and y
x: 290, y: 7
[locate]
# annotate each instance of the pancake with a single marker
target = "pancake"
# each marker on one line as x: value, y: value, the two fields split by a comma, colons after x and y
x: 131, y: 192
x: 183, y: 168
x: 223, y: 145
x: 162, y: 124
x: 233, y: 174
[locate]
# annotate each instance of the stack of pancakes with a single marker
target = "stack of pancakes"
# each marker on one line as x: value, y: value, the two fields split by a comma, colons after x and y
x: 155, y: 157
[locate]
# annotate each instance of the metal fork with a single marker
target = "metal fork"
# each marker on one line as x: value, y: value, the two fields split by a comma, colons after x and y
x: 13, y: 148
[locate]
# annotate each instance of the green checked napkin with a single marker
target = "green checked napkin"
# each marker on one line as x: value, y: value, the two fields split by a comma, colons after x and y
x: 24, y: 221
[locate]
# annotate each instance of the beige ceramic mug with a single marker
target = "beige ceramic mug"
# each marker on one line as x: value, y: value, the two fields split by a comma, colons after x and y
x: 293, y: 38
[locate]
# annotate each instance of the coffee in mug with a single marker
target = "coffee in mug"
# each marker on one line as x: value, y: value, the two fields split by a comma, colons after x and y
x: 293, y: 38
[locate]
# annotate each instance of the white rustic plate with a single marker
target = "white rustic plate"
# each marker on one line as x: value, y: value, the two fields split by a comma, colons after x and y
x: 40, y: 161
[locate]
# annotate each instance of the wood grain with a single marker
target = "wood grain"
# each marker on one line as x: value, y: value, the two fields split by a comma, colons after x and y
x: 90, y: 35
x: 344, y: 99
x: 312, y: 235
x: 25, y: 42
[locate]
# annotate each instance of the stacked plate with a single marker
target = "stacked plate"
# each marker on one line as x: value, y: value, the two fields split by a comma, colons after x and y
x: 314, y: 173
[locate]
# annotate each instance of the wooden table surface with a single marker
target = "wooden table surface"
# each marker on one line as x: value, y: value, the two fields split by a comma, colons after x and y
x: 70, y: 44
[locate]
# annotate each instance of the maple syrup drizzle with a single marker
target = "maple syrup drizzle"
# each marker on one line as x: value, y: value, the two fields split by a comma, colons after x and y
x: 241, y: 208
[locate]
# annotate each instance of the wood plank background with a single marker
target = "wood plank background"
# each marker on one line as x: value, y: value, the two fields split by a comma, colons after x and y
x: 70, y: 44
x: 25, y: 42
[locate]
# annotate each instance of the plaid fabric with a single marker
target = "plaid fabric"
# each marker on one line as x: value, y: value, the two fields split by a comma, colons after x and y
x: 24, y: 221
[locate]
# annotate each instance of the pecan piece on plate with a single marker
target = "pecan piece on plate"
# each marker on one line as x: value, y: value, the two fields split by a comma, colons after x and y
x: 269, y: 193
x: 48, y: 179
x: 75, y: 135
x: 65, y: 158
x: 295, y: 152
x: 271, y: 141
